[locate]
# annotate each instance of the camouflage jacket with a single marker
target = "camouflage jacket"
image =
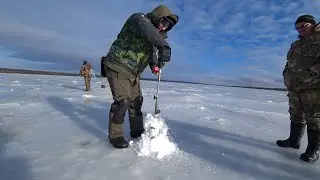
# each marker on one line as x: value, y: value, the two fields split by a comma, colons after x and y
x: 302, y: 70
x: 86, y: 70
x: 137, y: 43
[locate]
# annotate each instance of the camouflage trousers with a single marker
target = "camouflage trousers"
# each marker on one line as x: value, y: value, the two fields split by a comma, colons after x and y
x: 304, y: 108
x: 127, y: 96
x: 87, y: 80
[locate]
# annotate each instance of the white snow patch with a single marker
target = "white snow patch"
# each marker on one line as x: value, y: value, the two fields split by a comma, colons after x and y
x: 191, y: 99
x: 210, y: 118
x: 15, y: 81
x: 10, y: 104
x: 195, y: 94
x: 86, y: 96
x: 69, y: 99
x: 74, y: 82
x: 202, y: 108
x: 154, y: 141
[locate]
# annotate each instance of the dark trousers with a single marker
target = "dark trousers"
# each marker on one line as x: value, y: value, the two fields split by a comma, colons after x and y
x: 127, y: 96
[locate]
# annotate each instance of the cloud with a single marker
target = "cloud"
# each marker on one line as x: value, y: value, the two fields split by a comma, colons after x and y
x: 224, y: 38
x: 237, y: 38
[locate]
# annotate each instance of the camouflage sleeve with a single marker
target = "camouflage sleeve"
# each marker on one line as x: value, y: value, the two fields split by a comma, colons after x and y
x: 286, y: 78
x: 292, y: 46
x: 316, y: 67
x: 102, y: 68
x: 145, y: 28
x: 285, y: 69
x: 154, y: 58
x: 80, y: 72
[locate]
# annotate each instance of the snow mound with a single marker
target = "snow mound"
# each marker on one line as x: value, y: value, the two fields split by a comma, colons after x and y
x: 155, y: 141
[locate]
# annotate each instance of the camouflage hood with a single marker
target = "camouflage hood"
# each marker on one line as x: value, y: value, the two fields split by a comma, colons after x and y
x: 162, y: 11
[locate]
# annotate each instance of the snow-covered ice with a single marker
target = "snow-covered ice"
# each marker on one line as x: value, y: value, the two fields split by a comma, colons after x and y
x: 51, y: 129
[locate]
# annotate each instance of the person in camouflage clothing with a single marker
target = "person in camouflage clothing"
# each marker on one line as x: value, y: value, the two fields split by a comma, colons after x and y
x: 141, y: 42
x: 86, y: 73
x: 302, y: 79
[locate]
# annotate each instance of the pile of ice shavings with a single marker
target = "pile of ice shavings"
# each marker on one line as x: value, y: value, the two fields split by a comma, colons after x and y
x: 155, y: 140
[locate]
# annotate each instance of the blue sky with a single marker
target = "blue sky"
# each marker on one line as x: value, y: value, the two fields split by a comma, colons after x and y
x: 226, y: 40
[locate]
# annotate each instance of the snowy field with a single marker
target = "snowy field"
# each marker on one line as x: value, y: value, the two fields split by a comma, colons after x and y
x: 50, y: 129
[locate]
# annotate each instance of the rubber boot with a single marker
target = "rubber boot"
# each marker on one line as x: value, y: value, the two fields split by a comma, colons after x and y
x: 136, y: 134
x: 135, y: 117
x: 313, y: 150
x: 119, y: 142
x: 116, y: 119
x: 294, y: 140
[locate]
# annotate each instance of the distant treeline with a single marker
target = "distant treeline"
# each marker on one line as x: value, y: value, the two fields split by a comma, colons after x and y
x: 25, y: 71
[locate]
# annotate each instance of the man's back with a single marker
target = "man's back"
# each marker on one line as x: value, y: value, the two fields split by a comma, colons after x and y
x: 85, y: 69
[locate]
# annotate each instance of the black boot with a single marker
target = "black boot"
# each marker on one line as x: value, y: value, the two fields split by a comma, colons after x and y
x: 116, y: 118
x: 296, y: 133
x: 136, y: 134
x: 119, y: 143
x: 136, y: 117
x: 313, y: 150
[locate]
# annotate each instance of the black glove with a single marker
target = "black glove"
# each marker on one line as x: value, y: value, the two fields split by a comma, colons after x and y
x: 164, y: 54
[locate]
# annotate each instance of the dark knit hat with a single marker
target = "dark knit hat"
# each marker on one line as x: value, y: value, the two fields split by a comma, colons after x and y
x: 306, y: 18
